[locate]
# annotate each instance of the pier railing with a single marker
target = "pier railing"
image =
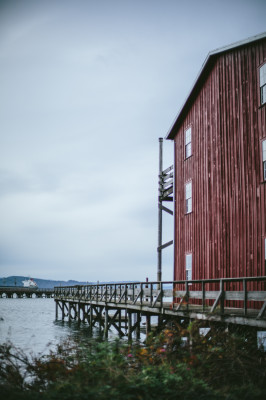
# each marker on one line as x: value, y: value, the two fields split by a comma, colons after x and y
x: 240, y: 295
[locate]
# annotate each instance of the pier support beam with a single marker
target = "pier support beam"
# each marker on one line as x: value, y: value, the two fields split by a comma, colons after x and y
x: 91, y: 318
x: 79, y: 307
x: 106, y: 323
x: 129, y: 325
x: 148, y: 324
x: 138, y: 325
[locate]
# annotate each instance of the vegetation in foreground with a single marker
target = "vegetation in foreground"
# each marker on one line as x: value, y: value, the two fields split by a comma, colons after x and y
x: 222, y: 366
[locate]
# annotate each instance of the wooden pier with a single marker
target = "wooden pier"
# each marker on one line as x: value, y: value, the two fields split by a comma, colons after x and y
x: 122, y: 306
x: 25, y: 292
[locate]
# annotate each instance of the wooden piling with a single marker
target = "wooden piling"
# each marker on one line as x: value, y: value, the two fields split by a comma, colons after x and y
x: 148, y: 324
x: 129, y: 325
x: 138, y: 325
x: 106, y: 323
x: 78, y: 314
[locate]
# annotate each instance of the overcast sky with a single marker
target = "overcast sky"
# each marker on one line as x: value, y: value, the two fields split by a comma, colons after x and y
x: 86, y: 90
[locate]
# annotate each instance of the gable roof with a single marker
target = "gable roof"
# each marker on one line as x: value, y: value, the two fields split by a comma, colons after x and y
x: 205, y: 69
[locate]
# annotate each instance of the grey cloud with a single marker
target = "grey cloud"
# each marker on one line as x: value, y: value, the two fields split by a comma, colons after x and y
x: 86, y: 90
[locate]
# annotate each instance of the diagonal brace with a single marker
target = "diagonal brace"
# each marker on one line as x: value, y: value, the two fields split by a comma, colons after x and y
x: 156, y: 299
x: 217, y: 301
x: 262, y: 311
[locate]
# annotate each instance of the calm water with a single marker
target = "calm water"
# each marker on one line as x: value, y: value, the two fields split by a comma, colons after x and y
x: 30, y: 325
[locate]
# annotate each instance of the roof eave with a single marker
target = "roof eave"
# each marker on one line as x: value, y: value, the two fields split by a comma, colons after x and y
x: 201, y: 76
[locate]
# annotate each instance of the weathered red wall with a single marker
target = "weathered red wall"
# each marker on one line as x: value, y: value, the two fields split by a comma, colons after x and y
x: 225, y: 231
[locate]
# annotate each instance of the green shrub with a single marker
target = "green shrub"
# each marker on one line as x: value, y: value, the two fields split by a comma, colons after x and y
x: 221, y: 366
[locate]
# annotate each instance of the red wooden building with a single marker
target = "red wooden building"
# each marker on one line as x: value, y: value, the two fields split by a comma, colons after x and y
x: 220, y: 167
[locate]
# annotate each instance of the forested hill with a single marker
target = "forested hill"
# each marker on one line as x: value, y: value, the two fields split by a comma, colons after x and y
x: 42, y: 283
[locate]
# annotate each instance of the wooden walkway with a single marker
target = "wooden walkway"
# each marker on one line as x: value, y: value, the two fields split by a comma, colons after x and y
x: 240, y: 301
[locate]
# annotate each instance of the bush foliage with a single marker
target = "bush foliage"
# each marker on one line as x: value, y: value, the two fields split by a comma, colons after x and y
x: 176, y: 363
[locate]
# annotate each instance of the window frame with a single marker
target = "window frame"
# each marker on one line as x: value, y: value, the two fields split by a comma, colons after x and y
x: 188, y: 144
x: 188, y: 200
x: 264, y: 255
x: 263, y: 159
x: 262, y: 86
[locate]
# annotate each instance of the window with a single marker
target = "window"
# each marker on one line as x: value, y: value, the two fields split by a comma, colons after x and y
x: 188, y: 150
x: 189, y: 267
x: 263, y: 84
x: 188, y: 195
x: 264, y: 256
x: 264, y: 159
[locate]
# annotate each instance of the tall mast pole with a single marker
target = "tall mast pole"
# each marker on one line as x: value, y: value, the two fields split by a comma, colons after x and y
x: 160, y: 217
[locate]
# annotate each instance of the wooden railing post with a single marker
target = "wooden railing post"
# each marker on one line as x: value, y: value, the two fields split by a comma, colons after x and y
x: 222, y: 296
x: 203, y: 295
x: 161, y: 296
x: 120, y: 292
x: 133, y: 292
x: 187, y: 294
x: 245, y: 296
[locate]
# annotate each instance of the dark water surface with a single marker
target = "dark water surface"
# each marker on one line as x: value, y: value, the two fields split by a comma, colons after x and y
x: 31, y: 326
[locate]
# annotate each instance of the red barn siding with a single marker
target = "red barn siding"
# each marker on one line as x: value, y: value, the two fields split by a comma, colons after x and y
x: 226, y: 229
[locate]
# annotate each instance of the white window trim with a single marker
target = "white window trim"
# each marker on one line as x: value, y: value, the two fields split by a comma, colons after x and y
x: 189, y: 261
x: 188, y: 197
x: 263, y: 84
x: 264, y: 158
x: 188, y: 144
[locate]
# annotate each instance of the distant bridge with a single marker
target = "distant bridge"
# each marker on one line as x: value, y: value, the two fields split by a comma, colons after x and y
x: 25, y: 292
x: 231, y: 302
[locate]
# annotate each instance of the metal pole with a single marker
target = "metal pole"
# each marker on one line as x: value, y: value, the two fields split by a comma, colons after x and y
x: 160, y: 219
